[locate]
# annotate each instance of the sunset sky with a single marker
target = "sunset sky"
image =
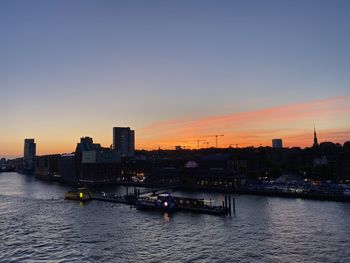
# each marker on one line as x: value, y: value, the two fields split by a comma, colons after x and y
x: 174, y: 71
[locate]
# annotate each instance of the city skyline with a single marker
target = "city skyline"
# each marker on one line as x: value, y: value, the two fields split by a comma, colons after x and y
x: 175, y: 72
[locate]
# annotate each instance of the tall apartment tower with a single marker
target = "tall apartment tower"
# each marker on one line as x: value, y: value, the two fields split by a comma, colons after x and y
x: 277, y: 143
x: 124, y: 141
x: 29, y: 154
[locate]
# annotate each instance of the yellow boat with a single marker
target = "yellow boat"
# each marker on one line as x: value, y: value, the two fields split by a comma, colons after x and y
x: 81, y: 194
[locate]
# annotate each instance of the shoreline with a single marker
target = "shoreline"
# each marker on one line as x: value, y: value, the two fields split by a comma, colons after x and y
x: 239, y: 191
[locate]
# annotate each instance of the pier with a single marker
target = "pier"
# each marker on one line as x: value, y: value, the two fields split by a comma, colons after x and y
x: 184, y: 204
x: 122, y: 199
x: 199, y: 206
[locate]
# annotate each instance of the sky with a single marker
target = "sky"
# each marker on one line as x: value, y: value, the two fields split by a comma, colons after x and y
x: 174, y: 71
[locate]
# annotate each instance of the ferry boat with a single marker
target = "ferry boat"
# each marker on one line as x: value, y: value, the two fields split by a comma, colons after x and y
x: 81, y: 194
x: 162, y: 202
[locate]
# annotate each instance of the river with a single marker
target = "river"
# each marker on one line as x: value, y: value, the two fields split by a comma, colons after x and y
x: 38, y: 225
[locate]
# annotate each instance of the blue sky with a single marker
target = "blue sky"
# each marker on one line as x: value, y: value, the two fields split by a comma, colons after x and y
x: 74, y: 68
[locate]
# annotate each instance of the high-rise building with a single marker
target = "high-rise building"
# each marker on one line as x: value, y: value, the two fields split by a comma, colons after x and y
x: 124, y: 141
x: 277, y: 143
x: 29, y: 154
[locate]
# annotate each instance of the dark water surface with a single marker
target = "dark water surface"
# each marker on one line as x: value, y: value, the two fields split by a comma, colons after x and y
x: 38, y: 225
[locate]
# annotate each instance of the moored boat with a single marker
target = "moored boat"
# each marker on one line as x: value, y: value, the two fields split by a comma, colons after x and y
x: 81, y: 194
x: 163, y: 202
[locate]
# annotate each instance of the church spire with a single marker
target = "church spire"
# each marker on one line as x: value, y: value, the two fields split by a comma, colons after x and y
x: 315, y: 138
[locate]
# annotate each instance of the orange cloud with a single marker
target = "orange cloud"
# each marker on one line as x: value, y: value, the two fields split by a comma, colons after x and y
x: 293, y: 123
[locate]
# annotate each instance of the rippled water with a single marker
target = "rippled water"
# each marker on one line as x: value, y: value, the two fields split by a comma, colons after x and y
x: 37, y: 224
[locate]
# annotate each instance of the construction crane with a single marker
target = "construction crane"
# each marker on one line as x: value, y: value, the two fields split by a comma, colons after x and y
x: 198, y: 141
x: 216, y: 138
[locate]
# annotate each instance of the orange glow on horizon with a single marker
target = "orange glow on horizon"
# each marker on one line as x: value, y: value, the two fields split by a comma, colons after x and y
x: 256, y: 139
x: 292, y: 123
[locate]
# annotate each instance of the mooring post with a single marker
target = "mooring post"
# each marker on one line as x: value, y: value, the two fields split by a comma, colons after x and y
x: 229, y: 204
x: 127, y: 190
x: 234, y: 205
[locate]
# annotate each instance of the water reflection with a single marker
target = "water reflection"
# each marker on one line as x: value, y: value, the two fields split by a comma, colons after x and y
x: 166, y: 217
x: 35, y: 228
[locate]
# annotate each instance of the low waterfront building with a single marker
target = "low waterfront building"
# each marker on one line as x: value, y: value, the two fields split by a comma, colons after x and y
x: 342, y: 167
x: 46, y: 167
x: 95, y: 164
x: 67, y: 169
x: 320, y: 161
x: 100, y: 166
x: 194, y: 178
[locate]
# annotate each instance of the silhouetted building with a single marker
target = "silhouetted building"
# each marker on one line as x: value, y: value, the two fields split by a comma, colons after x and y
x: 178, y: 148
x: 29, y: 154
x: 100, y: 166
x: 46, y: 167
x: 67, y: 168
x: 87, y: 144
x: 315, y: 138
x: 277, y: 143
x: 320, y: 161
x: 212, y: 178
x: 342, y: 167
x: 124, y: 141
x: 95, y: 164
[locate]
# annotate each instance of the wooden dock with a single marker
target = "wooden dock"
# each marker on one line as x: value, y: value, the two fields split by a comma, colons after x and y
x: 114, y: 198
x: 199, y: 206
x: 182, y: 203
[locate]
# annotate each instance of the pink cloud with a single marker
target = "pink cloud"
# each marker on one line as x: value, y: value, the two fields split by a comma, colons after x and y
x: 292, y: 122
